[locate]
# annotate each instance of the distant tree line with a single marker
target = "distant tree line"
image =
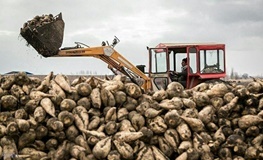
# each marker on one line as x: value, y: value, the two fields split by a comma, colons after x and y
x: 87, y: 72
x: 235, y: 75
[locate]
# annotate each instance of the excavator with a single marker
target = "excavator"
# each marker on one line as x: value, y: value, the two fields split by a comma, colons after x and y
x: 206, y: 60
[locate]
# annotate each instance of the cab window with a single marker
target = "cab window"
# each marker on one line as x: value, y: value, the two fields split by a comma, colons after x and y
x: 212, y: 61
x: 159, y: 62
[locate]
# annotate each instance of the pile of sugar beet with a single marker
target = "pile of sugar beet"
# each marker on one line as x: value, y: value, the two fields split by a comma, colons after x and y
x: 90, y: 118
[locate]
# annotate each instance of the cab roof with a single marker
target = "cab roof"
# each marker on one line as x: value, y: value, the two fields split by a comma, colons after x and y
x: 171, y: 45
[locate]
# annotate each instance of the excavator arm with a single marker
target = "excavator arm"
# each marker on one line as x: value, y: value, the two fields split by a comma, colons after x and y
x: 45, y: 34
x: 114, y: 60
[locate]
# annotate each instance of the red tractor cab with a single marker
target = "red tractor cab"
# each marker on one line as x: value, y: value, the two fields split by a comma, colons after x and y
x: 206, y: 61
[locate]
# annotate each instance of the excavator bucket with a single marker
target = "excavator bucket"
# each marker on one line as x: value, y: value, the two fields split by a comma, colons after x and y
x: 44, y: 34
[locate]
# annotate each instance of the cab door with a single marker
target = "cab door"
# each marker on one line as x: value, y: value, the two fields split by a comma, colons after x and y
x: 193, y: 76
x: 158, y: 68
x: 189, y: 52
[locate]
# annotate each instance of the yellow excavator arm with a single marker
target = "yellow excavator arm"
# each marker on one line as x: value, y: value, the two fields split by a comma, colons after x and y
x: 45, y: 34
x: 114, y: 60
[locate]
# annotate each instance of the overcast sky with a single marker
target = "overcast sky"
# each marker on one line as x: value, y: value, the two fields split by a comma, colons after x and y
x: 141, y: 23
